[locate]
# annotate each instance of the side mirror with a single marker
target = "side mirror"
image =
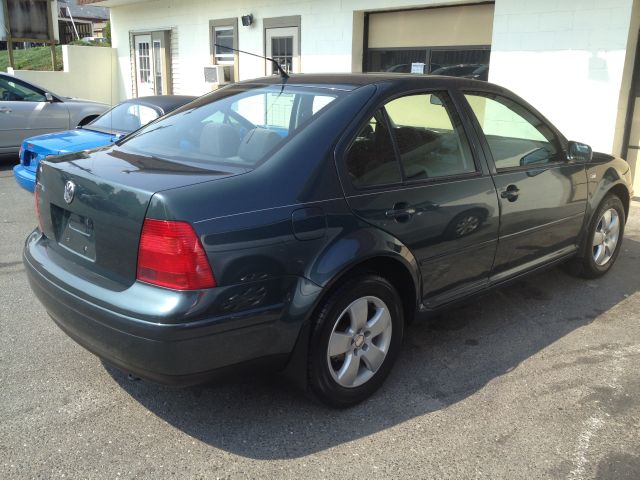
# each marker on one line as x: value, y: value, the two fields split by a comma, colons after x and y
x: 48, y: 97
x: 579, y: 152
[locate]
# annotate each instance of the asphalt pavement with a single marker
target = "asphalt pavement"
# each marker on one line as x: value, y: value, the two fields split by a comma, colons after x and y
x: 536, y: 380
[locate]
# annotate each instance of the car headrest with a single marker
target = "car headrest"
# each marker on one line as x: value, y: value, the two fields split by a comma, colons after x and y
x: 257, y: 143
x: 219, y: 139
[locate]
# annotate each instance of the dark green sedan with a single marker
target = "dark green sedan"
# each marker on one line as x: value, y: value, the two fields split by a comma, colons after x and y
x: 299, y: 225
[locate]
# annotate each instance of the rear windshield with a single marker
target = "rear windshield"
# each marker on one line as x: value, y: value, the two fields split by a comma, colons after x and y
x: 243, y: 127
x: 125, y: 117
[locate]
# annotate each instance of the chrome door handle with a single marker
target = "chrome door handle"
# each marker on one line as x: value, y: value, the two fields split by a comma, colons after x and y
x: 511, y: 193
x: 401, y: 212
x: 5, y: 110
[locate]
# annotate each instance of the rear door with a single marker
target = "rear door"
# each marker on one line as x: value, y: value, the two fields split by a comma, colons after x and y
x: 542, y: 195
x: 412, y: 172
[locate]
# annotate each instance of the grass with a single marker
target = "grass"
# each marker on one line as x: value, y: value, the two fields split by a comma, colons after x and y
x: 36, y: 58
x: 39, y: 58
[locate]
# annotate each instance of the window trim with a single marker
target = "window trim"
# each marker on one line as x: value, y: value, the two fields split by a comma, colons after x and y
x: 227, y: 23
x: 291, y: 21
x: 561, y: 141
x: 223, y: 58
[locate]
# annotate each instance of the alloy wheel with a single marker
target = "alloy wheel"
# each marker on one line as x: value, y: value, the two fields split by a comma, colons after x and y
x: 359, y: 341
x: 606, y: 236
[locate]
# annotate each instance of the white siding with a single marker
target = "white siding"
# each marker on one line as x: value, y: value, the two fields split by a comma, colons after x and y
x: 326, y: 33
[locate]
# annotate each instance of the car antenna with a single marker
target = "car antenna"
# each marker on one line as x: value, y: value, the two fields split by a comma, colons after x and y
x: 283, y: 74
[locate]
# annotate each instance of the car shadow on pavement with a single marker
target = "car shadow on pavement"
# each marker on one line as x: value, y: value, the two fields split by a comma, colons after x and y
x: 444, y: 361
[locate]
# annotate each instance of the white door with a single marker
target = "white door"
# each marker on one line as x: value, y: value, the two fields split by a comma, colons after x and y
x: 282, y: 46
x: 144, y: 66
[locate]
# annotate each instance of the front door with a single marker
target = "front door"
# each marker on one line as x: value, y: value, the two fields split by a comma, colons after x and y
x: 542, y: 195
x: 24, y: 112
x: 145, y: 77
x: 413, y: 174
x: 282, y: 44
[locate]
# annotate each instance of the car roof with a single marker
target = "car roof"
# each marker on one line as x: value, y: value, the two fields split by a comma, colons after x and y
x: 166, y: 103
x: 351, y: 81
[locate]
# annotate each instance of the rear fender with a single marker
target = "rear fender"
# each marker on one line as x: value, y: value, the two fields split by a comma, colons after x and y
x: 340, y: 258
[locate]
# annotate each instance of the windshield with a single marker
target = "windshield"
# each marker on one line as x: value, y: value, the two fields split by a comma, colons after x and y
x: 243, y: 128
x: 125, y: 117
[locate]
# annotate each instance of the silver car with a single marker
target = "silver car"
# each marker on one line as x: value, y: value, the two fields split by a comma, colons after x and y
x: 27, y: 110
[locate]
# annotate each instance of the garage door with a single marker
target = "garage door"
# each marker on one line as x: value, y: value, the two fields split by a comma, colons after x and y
x: 448, y: 41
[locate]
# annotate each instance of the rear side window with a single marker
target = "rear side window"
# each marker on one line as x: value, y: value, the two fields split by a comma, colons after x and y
x: 242, y: 129
x: 516, y: 137
x: 125, y: 117
x: 371, y: 159
x: 429, y: 135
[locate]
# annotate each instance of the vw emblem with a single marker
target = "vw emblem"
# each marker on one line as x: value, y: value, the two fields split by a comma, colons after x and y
x: 69, y: 191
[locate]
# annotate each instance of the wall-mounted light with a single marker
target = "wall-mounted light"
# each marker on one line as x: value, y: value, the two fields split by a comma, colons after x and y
x: 247, y: 20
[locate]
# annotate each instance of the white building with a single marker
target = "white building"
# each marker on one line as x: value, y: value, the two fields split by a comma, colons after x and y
x: 573, y: 59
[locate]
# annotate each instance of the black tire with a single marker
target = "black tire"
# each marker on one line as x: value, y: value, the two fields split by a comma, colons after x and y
x: 584, y: 264
x: 321, y: 379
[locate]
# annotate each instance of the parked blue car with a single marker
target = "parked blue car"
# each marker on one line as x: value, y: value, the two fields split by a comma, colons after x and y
x: 108, y: 128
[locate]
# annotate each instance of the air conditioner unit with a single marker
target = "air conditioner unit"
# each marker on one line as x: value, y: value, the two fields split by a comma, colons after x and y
x: 220, y: 74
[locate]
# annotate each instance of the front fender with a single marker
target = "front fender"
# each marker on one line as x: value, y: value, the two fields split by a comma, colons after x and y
x: 604, y: 174
x: 77, y: 114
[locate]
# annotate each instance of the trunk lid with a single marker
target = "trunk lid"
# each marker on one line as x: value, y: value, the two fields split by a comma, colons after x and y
x: 96, y: 228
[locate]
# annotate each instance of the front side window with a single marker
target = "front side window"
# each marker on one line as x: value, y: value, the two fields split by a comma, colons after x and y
x: 11, y: 91
x: 429, y: 136
x: 516, y: 137
x: 125, y: 117
x: 242, y: 128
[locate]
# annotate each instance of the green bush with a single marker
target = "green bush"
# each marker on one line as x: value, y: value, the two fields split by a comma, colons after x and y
x: 83, y: 43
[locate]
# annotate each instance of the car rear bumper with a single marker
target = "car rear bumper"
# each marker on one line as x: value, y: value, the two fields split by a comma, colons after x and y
x: 178, y: 348
x: 25, y: 178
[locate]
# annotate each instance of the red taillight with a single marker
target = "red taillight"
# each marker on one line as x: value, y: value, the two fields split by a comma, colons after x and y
x: 171, y: 255
x: 37, y: 198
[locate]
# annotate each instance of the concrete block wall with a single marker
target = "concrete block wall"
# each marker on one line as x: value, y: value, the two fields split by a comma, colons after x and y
x: 566, y: 57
